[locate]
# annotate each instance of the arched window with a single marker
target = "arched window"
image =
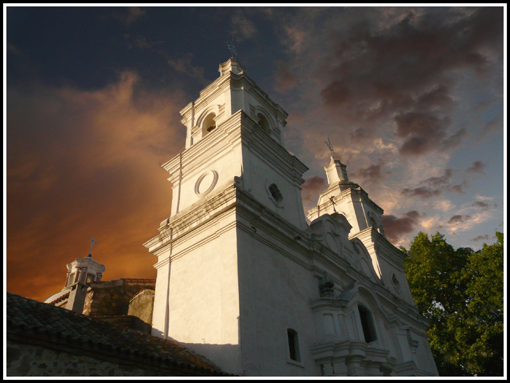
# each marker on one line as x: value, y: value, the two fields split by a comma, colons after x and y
x: 262, y: 121
x: 367, y: 324
x: 293, y: 340
x: 209, y: 124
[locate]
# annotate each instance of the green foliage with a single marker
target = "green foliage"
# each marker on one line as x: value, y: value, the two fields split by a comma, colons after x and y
x: 461, y: 293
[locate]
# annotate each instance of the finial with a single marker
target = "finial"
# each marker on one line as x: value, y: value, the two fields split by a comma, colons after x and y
x: 231, y: 47
x: 91, y: 244
x: 329, y: 145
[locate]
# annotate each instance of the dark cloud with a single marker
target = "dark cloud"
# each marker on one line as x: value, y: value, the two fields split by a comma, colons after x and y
x: 284, y: 78
x: 458, y: 218
x: 403, y: 72
x: 437, y: 96
x: 434, y: 186
x: 395, y: 228
x: 373, y: 173
x: 422, y: 192
x: 480, y: 238
x: 441, y: 181
x: 311, y: 189
x: 477, y: 167
x: 424, y: 133
x: 460, y: 187
x: 480, y: 204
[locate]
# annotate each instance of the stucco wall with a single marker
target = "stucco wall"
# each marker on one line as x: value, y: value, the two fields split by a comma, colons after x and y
x: 274, y: 296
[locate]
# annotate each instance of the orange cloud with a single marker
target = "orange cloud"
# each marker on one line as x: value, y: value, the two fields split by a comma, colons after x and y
x: 83, y: 163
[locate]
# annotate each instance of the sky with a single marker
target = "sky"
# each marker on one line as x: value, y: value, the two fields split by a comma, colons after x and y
x: 411, y: 98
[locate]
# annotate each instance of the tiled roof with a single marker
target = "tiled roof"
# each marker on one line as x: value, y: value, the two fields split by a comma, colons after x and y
x: 33, y: 319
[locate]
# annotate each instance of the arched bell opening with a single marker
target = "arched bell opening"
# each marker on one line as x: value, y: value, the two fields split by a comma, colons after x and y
x: 209, y: 124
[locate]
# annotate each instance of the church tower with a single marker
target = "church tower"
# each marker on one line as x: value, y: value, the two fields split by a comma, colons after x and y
x: 244, y: 280
x: 235, y: 191
x: 80, y: 273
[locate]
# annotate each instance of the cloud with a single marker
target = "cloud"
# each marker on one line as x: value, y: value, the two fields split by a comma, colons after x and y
x: 477, y: 167
x: 372, y: 174
x: 184, y: 65
x: 242, y: 27
x: 422, y: 192
x: 130, y: 15
x: 396, y: 228
x: 456, y: 219
x: 405, y: 73
x: 285, y: 79
x: 311, y: 189
x: 295, y: 38
x: 435, y: 186
x: 85, y: 163
x: 480, y: 204
x: 480, y: 238
x: 440, y: 181
x: 424, y: 133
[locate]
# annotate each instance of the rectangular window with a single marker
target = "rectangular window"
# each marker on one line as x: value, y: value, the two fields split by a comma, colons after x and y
x: 293, y: 345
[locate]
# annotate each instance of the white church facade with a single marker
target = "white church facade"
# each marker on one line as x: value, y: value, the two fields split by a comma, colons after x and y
x: 244, y: 280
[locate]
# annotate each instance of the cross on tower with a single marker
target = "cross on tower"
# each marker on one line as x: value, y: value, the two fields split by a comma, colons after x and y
x: 231, y: 47
x: 91, y: 243
x: 329, y: 145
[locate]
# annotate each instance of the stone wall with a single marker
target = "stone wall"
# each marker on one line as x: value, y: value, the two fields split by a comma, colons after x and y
x: 112, y: 298
x: 35, y: 360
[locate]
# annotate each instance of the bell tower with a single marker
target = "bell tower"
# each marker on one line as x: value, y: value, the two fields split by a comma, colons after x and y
x: 236, y: 201
x: 349, y: 199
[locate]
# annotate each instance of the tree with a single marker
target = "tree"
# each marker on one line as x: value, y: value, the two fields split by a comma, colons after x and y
x: 461, y: 293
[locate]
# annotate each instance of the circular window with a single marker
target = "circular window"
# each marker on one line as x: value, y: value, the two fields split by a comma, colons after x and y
x: 206, y: 182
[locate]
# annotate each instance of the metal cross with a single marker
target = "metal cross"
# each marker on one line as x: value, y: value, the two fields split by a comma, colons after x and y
x: 91, y: 243
x: 328, y: 143
x: 231, y: 47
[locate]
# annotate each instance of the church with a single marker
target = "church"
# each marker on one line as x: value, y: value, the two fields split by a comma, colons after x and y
x: 244, y: 277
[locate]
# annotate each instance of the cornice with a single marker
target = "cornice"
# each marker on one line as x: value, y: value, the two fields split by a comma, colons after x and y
x: 197, y: 214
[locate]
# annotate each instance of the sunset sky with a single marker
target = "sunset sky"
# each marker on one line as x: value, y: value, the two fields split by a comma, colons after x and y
x: 412, y: 99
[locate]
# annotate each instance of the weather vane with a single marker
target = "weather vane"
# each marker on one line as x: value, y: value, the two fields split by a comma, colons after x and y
x: 91, y: 243
x: 330, y: 146
x: 231, y: 47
